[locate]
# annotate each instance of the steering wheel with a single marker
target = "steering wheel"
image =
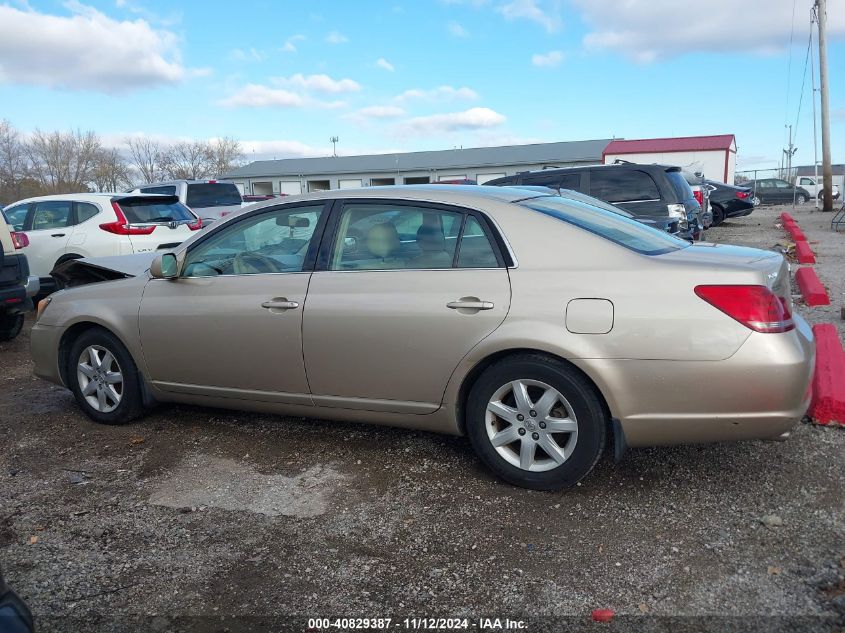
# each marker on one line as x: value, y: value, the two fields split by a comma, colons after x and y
x: 250, y: 263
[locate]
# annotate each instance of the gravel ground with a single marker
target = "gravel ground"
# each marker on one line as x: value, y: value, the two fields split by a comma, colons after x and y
x: 197, y: 519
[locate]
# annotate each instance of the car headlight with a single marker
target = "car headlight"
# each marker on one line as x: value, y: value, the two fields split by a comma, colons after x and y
x: 42, y: 305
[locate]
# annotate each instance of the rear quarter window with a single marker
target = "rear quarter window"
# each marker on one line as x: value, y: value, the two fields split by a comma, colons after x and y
x: 607, y: 224
x: 623, y: 185
x: 679, y: 185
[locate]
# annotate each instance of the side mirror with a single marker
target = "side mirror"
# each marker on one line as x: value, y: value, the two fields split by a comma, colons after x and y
x: 164, y: 266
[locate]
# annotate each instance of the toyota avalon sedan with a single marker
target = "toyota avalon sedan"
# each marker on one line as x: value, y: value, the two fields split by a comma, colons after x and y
x: 541, y: 326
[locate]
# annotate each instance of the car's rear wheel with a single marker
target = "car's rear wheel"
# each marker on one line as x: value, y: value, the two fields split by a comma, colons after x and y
x: 104, y: 378
x: 718, y: 215
x: 10, y: 326
x: 536, y: 422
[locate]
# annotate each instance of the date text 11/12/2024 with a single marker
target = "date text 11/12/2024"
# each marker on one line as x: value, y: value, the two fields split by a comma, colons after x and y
x: 416, y: 624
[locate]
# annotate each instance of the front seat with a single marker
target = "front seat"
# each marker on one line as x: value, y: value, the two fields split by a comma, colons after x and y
x: 383, y: 242
x: 432, y: 245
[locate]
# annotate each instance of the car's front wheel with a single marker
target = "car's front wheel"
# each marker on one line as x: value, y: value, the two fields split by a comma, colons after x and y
x: 757, y: 201
x: 535, y: 422
x: 10, y: 326
x: 104, y: 378
x: 801, y: 199
x: 718, y: 215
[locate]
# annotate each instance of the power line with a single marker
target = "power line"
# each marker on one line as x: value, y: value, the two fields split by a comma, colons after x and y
x: 804, y: 78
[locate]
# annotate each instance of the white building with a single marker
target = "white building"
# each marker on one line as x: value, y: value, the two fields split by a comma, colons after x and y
x: 713, y: 156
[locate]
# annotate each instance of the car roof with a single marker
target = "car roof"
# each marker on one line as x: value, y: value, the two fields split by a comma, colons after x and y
x: 85, y: 197
x: 466, y: 195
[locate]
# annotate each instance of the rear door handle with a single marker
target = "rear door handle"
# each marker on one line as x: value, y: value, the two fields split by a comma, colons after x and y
x: 280, y: 304
x: 470, y: 305
x: 57, y: 235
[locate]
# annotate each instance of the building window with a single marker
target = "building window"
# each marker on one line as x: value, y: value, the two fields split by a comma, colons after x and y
x: 319, y: 185
x: 382, y: 182
x: 417, y: 180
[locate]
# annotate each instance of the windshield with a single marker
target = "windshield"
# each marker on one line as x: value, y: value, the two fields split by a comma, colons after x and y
x: 607, y: 224
x: 147, y: 210
x: 213, y: 194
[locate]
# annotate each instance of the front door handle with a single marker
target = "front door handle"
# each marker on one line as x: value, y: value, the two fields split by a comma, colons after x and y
x: 470, y: 304
x: 57, y: 235
x: 280, y: 304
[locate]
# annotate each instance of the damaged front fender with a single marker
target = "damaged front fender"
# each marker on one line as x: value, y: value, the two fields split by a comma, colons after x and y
x: 79, y: 272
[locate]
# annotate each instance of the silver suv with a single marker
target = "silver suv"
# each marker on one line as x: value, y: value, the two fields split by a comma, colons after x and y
x: 209, y: 199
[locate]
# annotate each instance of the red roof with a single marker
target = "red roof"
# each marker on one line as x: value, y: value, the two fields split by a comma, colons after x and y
x: 679, y: 144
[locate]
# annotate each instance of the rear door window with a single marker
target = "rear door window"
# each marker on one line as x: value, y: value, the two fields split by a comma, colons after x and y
x: 571, y: 181
x: 51, y: 214
x: 212, y: 194
x: 623, y: 185
x: 476, y: 251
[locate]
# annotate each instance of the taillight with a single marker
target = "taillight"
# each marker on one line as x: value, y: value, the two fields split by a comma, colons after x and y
x: 20, y: 240
x: 756, y: 307
x: 698, y: 196
x: 742, y: 195
x: 121, y: 226
x: 196, y: 226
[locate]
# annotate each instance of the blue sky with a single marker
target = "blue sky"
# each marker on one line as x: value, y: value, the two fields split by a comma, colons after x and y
x: 283, y: 77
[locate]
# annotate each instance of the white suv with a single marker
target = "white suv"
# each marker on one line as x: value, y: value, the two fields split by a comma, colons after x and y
x: 71, y: 226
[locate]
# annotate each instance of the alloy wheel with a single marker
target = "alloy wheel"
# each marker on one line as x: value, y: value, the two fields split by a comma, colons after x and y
x: 100, y: 378
x: 531, y: 425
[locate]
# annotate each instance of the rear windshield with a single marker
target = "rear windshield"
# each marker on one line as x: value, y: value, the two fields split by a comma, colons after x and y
x: 607, y: 224
x: 145, y: 211
x: 680, y: 185
x: 213, y: 194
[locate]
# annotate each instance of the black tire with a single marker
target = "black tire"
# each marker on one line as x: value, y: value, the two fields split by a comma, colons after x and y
x: 10, y: 326
x: 801, y: 199
x: 581, y: 396
x: 718, y: 215
x: 131, y: 398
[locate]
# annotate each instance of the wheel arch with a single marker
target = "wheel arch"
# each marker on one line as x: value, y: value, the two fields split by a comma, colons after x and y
x: 479, y: 368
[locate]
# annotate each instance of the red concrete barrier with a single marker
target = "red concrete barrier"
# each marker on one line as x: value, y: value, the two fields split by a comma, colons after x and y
x: 786, y: 217
x: 812, y: 289
x: 828, y: 404
x: 795, y: 231
x: 804, y: 252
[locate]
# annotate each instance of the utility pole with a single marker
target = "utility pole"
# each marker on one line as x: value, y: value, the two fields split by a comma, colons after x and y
x: 827, y: 170
x: 815, y: 119
x: 333, y: 140
x: 789, y: 152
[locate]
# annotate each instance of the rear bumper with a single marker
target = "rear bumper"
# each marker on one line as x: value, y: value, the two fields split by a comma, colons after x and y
x: 758, y: 393
x: 32, y: 286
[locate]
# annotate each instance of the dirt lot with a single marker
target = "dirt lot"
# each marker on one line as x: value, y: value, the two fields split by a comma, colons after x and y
x: 191, y: 516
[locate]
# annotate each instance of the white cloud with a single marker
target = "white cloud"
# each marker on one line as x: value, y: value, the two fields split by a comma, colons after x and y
x: 86, y: 50
x: 263, y: 150
x: 381, y: 62
x: 336, y: 38
x: 259, y: 96
x: 457, y: 30
x: 630, y: 27
x: 318, y: 83
x: 290, y: 44
x: 552, y: 58
x: 548, y: 18
x: 472, y: 119
x: 377, y: 112
x: 439, y: 94
x: 248, y: 55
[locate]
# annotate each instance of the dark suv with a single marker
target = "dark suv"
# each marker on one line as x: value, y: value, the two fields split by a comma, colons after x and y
x: 655, y: 192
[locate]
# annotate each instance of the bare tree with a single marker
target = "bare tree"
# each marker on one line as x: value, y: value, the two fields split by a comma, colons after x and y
x: 188, y: 160
x: 224, y: 154
x: 111, y: 171
x: 13, y: 162
x: 148, y: 157
x: 63, y: 161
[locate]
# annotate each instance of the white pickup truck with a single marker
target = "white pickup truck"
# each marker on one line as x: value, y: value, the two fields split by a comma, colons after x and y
x: 815, y: 188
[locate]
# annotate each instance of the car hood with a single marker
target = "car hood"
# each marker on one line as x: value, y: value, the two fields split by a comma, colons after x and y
x: 78, y: 272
